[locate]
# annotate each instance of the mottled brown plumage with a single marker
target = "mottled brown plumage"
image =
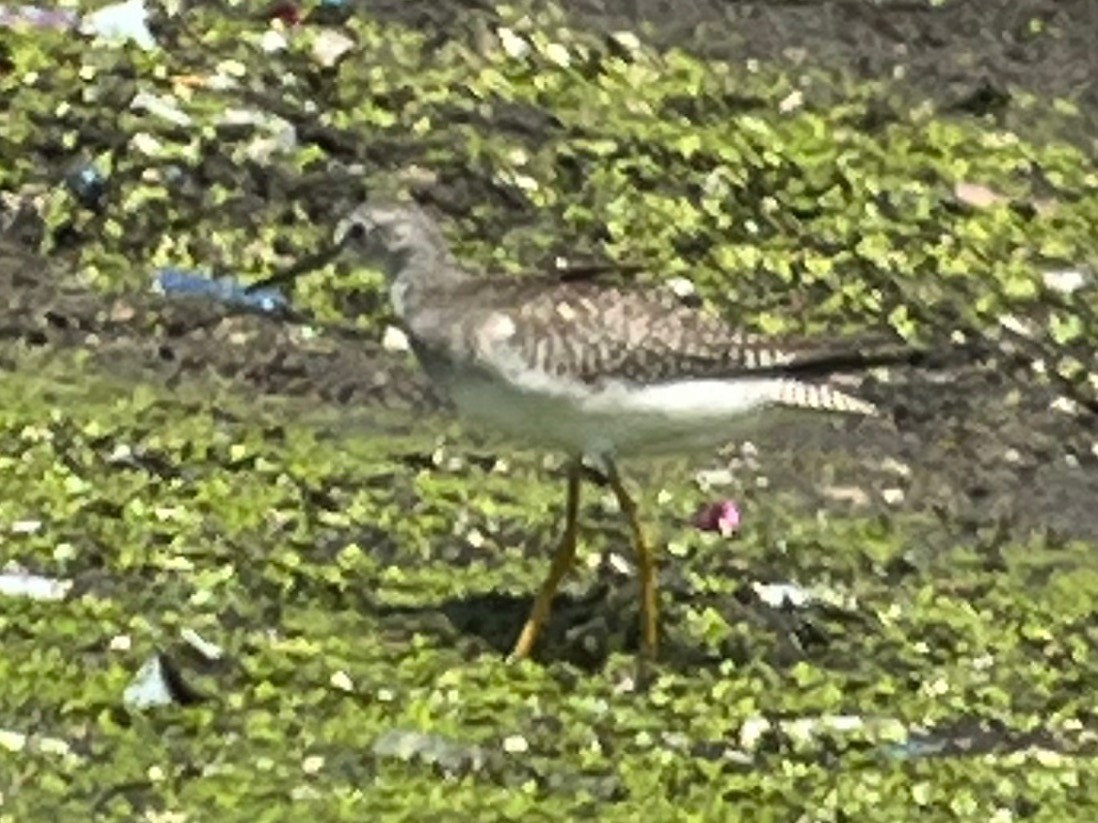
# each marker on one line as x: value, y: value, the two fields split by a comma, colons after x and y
x: 582, y: 331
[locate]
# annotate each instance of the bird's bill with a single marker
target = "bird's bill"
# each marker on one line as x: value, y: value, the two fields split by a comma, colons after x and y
x: 309, y: 263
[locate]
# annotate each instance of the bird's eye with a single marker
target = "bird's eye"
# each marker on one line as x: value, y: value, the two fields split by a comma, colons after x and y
x: 355, y: 231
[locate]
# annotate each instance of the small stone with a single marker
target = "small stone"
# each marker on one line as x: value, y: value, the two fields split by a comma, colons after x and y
x: 752, y: 730
x: 341, y: 681
x: 329, y: 46
x: 682, y: 288
x: 146, y: 144
x: 977, y: 195
x: 121, y: 311
x: 791, y: 102
x: 627, y: 40
x: 854, y: 495
x: 619, y: 564
x: 1065, y: 405
x: 627, y: 685
x: 513, y: 45
x: 893, y: 496
x: 231, y: 68
x: 710, y: 478
x: 395, y: 340
x: 516, y: 744
x: 894, y: 466
x: 273, y: 41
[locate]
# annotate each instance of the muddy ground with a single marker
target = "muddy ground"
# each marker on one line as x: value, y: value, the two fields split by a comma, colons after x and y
x: 364, y: 588
x: 969, y: 58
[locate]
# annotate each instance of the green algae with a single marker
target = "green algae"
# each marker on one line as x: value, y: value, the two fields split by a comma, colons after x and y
x: 332, y: 569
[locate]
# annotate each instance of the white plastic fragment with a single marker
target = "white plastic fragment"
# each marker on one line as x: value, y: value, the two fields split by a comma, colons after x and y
x: 329, y: 46
x: 208, y: 650
x: 1017, y: 325
x: 26, y: 526
x: 19, y: 583
x: 619, y: 564
x: 37, y: 17
x: 1065, y: 405
x: 1065, y: 281
x: 17, y: 742
x: 777, y: 595
x: 163, y: 107
x: 272, y: 41
x: 120, y: 21
x: 149, y: 687
x: 894, y: 466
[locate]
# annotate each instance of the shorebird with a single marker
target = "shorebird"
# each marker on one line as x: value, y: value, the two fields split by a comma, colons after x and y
x: 598, y: 371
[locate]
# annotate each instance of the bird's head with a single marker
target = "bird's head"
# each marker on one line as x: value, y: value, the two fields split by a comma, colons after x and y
x: 400, y: 240
x: 394, y: 238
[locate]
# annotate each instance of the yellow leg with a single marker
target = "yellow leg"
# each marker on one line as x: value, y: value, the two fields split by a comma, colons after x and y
x: 646, y: 565
x: 562, y: 562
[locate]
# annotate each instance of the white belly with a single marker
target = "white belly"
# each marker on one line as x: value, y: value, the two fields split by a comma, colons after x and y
x: 621, y: 419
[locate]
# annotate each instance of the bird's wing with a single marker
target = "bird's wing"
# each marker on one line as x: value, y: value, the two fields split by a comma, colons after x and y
x: 591, y: 333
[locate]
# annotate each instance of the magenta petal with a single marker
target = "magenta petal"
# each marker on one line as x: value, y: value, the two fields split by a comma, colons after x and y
x: 719, y: 516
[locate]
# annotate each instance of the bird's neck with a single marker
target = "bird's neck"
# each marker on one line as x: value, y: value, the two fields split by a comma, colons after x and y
x: 418, y: 274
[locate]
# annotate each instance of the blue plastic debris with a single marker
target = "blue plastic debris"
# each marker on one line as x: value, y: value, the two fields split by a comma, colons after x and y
x: 87, y: 184
x: 331, y: 12
x: 173, y: 281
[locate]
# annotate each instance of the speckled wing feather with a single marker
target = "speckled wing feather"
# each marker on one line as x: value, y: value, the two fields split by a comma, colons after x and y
x: 592, y: 333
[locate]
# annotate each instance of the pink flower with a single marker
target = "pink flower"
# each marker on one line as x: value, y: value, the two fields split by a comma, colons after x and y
x: 719, y: 516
